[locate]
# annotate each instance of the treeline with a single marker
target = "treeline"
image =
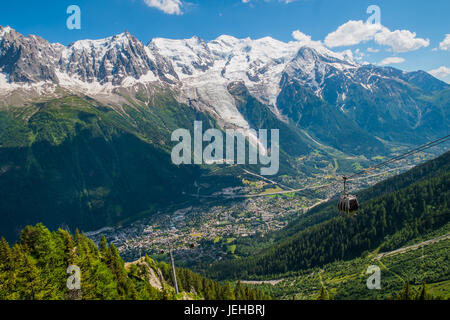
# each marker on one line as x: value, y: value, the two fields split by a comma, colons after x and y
x: 400, y: 216
x: 208, y: 289
x: 254, y: 245
x: 407, y: 293
x: 35, y: 268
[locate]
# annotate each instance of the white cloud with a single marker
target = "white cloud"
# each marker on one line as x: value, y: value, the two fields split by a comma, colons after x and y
x: 392, y: 60
x: 354, y: 32
x: 445, y: 44
x: 440, y: 73
x: 359, y: 55
x: 305, y: 39
x: 166, y: 6
x: 372, y: 50
x: 400, y: 40
x: 347, y: 55
x: 283, y: 1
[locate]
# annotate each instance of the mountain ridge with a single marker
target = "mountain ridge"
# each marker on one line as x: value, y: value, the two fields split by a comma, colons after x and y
x: 113, y: 133
x: 199, y: 72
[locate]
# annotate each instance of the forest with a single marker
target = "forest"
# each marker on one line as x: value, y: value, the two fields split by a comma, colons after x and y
x: 391, y: 214
x: 35, y: 268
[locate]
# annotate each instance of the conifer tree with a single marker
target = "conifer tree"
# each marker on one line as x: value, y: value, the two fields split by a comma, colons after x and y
x: 422, y: 293
x: 103, y: 246
x: 323, y: 294
x: 406, y: 293
x: 5, y: 251
x: 228, y: 293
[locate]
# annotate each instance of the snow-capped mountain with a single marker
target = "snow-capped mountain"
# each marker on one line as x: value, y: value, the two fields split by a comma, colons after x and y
x: 119, y: 59
x: 200, y: 72
x: 27, y: 59
x: 86, y: 128
x: 111, y: 60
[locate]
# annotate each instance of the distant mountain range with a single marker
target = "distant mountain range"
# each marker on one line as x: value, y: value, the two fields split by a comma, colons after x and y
x: 85, y: 128
x: 381, y: 101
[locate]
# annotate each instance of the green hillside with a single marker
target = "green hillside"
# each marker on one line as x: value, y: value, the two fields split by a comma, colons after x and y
x: 347, y: 279
x: 392, y: 214
x: 72, y: 162
x: 35, y: 269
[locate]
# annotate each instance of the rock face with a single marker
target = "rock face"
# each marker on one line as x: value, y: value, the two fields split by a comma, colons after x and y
x: 27, y: 59
x: 155, y: 279
x: 112, y: 60
x: 382, y: 101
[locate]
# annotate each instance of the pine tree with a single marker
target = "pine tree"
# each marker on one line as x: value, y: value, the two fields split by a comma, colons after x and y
x: 228, y: 293
x: 238, y: 292
x: 406, y: 293
x: 5, y: 269
x: 5, y: 251
x: 103, y: 247
x: 30, y: 283
x: 422, y: 294
x: 323, y: 294
x: 116, y: 265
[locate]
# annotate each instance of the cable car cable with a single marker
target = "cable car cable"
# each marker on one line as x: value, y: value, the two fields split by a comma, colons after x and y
x: 404, y: 155
x: 348, y: 204
x: 347, y: 178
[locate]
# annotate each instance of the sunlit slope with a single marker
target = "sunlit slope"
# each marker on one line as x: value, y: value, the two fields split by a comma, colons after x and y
x: 392, y: 213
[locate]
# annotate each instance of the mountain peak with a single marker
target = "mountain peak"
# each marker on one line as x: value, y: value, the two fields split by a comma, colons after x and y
x: 268, y: 39
x: 4, y: 30
x: 125, y: 35
x: 226, y: 39
x: 10, y: 33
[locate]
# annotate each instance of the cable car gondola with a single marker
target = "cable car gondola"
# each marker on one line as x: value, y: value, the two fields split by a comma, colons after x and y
x: 348, y: 204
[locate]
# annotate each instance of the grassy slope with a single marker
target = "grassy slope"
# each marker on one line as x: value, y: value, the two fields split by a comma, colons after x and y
x: 347, y: 279
x: 314, y: 239
x: 71, y: 161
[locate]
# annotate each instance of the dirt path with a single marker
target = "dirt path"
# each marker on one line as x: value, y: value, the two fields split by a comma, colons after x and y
x: 413, y: 247
x: 266, y: 179
x: 271, y: 282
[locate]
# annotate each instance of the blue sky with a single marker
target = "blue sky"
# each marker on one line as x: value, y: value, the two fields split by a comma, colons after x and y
x: 339, y: 24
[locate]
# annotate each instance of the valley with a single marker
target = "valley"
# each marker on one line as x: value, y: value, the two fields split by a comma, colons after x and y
x: 86, y: 150
x: 347, y: 279
x: 216, y: 224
